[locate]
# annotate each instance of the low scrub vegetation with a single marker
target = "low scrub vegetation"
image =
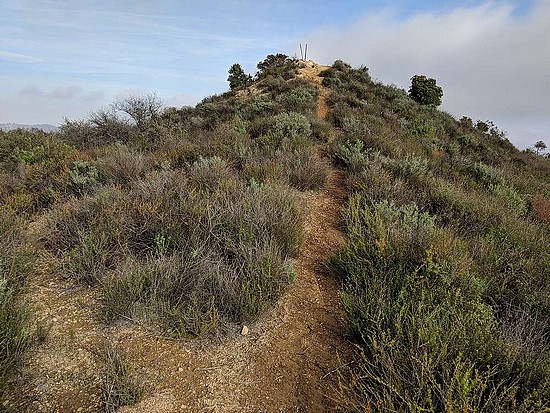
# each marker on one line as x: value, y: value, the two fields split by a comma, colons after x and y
x: 15, y: 325
x: 190, y: 251
x: 119, y: 385
x: 445, y: 273
x: 186, y: 219
x: 189, y: 219
x: 194, y: 229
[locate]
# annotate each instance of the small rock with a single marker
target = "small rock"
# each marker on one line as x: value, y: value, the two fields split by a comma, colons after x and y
x: 244, y: 331
x: 180, y: 369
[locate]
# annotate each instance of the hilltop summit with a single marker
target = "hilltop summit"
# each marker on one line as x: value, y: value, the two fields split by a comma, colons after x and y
x: 311, y: 240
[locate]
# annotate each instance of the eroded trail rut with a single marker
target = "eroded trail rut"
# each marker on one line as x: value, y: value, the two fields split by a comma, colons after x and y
x: 288, y: 362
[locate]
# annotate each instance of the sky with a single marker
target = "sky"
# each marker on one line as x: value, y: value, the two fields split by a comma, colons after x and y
x: 66, y: 58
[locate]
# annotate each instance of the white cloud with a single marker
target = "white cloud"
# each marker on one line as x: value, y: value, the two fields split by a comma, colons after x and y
x: 31, y: 90
x: 180, y: 100
x: 33, y: 104
x: 67, y: 92
x: 491, y: 63
x: 93, y: 96
x: 17, y: 57
x: 60, y: 92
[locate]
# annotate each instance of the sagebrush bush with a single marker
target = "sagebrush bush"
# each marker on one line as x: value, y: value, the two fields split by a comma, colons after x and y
x: 123, y: 165
x: 15, y: 264
x: 290, y: 124
x: 351, y: 154
x: 119, y: 386
x: 210, y: 173
x: 300, y: 99
x: 83, y: 174
x: 428, y: 341
x: 486, y: 174
x: 189, y: 252
x: 514, y: 200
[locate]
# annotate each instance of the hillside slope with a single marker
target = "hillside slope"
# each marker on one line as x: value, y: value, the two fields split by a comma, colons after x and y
x: 311, y: 242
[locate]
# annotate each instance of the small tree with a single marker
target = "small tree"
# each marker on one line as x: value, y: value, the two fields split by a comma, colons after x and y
x: 142, y: 109
x: 271, y: 61
x: 540, y: 146
x: 276, y: 65
x: 466, y: 121
x: 482, y: 126
x: 237, y: 77
x: 425, y: 91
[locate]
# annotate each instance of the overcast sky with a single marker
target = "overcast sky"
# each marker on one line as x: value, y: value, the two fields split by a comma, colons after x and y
x: 66, y: 58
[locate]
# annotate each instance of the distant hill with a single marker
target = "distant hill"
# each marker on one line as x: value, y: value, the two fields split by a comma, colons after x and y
x: 43, y: 126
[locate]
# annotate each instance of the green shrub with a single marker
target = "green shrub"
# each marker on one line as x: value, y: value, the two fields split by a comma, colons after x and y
x: 421, y: 128
x: 211, y: 173
x: 487, y: 175
x: 468, y: 141
x: 15, y: 264
x: 351, y: 154
x: 258, y: 105
x: 412, y: 165
x: 513, y: 199
x: 277, y: 65
x: 354, y: 128
x: 291, y: 124
x: 119, y: 386
x: 274, y: 84
x: 340, y: 65
x: 123, y: 165
x: 301, y: 99
x: 427, y: 340
x: 83, y: 174
x: 425, y: 91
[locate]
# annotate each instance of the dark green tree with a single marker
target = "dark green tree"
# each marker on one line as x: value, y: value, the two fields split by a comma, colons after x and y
x: 540, y: 146
x: 425, y: 91
x: 276, y: 65
x: 237, y: 77
x: 482, y: 126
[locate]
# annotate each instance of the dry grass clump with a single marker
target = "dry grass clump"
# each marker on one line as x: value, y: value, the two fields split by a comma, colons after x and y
x: 308, y: 172
x: 541, y: 208
x: 15, y: 264
x: 123, y: 165
x: 188, y: 251
x: 119, y: 386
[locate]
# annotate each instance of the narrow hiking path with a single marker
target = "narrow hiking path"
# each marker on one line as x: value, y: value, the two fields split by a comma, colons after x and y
x: 288, y: 361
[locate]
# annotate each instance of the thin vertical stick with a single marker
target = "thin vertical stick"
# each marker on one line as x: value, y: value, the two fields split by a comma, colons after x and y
x: 301, y: 52
x: 305, y: 57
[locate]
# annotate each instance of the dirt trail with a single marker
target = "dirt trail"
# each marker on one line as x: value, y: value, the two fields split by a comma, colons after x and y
x: 288, y: 361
